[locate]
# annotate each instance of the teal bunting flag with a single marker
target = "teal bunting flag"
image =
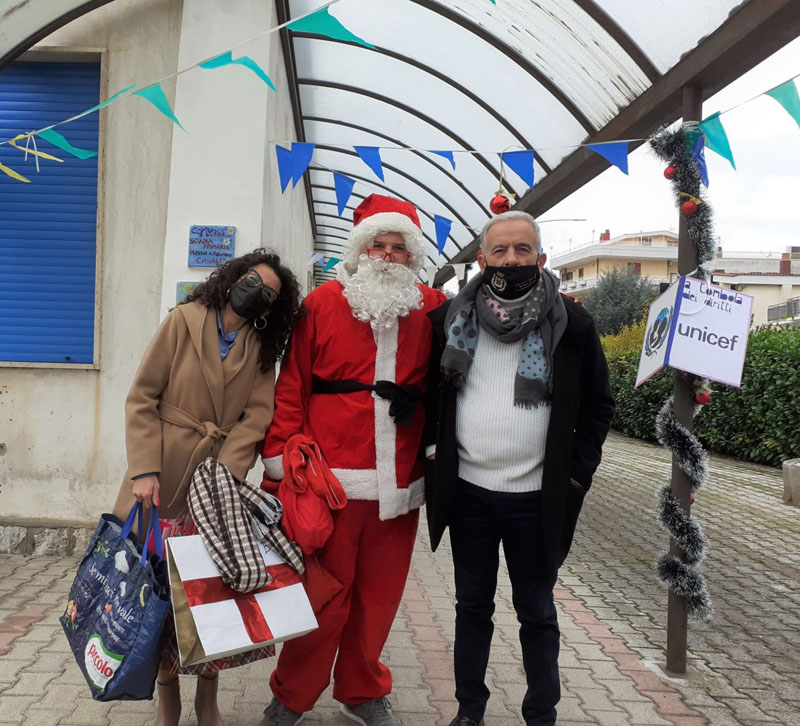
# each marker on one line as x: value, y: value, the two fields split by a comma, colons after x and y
x: 155, y: 94
x: 615, y: 153
x: 108, y: 100
x: 786, y: 96
x: 371, y: 156
x: 57, y: 139
x: 226, y: 59
x: 331, y: 263
x: 323, y: 23
x: 716, y: 138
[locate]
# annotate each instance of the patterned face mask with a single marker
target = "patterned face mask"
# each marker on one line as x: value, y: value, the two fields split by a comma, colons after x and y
x: 511, y: 283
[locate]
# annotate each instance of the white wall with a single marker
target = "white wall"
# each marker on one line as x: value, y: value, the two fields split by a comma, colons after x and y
x: 63, y: 429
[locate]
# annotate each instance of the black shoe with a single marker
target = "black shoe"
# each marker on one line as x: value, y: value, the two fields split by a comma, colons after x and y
x: 465, y: 721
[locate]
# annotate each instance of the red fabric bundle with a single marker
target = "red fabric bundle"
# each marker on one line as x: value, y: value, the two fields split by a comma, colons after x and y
x: 308, y: 492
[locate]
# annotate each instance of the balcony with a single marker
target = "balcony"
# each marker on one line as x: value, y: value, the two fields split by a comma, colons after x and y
x: 785, y: 313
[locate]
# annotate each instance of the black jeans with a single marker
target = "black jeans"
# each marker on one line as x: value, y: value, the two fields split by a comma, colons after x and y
x: 482, y: 519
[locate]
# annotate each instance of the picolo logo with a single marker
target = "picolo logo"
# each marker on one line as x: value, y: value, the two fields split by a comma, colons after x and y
x: 656, y: 334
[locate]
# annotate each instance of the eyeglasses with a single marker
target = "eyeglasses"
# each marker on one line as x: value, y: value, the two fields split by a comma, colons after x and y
x: 253, y: 279
x: 401, y: 257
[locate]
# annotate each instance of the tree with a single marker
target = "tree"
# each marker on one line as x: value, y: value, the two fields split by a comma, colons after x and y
x: 620, y: 298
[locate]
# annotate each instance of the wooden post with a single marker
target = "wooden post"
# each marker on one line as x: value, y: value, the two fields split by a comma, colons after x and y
x: 677, y: 621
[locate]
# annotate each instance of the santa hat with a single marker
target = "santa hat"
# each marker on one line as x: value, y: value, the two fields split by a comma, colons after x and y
x: 378, y: 214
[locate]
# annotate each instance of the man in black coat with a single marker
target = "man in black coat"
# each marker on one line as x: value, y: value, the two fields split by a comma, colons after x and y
x: 519, y: 406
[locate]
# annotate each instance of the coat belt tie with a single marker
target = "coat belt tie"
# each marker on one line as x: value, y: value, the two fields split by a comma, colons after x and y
x: 212, y: 436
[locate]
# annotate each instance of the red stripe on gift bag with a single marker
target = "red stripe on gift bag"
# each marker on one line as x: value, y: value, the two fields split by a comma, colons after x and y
x: 206, y: 590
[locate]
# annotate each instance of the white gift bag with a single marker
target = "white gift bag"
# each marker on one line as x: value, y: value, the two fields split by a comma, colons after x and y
x: 214, y: 621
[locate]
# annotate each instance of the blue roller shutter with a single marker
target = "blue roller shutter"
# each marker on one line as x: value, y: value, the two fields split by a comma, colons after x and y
x: 48, y: 227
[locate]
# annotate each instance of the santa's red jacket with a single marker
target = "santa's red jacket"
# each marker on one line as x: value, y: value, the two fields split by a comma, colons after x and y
x: 372, y: 457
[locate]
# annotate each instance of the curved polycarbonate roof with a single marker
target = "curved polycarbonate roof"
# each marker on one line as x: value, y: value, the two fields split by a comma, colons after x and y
x: 476, y: 78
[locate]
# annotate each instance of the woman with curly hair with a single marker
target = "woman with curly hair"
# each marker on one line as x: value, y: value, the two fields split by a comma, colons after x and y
x: 205, y: 387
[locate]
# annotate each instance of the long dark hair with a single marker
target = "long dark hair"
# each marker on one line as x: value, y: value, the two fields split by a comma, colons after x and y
x: 284, y: 313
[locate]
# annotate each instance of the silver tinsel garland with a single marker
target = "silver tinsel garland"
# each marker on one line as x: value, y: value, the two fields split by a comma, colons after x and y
x: 674, y: 147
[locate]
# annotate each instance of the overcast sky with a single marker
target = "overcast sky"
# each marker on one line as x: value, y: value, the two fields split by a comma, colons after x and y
x: 757, y: 207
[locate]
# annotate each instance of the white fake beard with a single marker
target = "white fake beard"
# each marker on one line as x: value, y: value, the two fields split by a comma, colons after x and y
x: 379, y: 291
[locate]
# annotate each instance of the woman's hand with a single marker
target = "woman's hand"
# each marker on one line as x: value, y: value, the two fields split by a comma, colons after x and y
x: 145, y: 489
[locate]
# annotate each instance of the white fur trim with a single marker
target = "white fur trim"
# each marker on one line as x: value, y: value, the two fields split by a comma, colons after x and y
x: 363, y: 234
x: 385, y: 427
x: 273, y: 467
x: 362, y: 484
x: 358, y: 483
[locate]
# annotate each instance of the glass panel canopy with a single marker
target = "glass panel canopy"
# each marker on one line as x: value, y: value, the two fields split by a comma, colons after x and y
x: 475, y: 78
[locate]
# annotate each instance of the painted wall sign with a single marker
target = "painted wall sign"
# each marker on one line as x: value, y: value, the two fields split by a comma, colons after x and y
x: 211, y: 245
x: 183, y: 289
x: 699, y: 328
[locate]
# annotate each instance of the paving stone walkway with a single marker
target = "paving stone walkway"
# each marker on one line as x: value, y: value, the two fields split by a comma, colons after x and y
x: 745, y: 663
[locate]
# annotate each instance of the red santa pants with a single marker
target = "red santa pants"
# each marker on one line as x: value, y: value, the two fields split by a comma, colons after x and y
x: 371, y: 559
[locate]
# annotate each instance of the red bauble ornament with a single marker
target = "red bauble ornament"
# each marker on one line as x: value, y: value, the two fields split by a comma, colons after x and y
x: 688, y: 208
x: 703, y: 397
x: 691, y: 501
x: 499, y: 204
x: 670, y: 172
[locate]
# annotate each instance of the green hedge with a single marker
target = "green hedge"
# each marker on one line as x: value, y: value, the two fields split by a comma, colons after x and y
x: 758, y: 422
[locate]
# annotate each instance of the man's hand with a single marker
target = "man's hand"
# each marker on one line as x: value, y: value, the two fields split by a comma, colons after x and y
x: 145, y: 489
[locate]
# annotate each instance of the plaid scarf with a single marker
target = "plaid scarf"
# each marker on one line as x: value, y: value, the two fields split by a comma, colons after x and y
x: 231, y: 517
x: 539, y: 319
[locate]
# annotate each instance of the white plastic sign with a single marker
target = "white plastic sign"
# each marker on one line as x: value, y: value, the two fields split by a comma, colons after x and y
x: 699, y: 328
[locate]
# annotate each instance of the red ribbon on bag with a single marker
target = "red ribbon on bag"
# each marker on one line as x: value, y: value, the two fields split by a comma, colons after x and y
x: 205, y: 590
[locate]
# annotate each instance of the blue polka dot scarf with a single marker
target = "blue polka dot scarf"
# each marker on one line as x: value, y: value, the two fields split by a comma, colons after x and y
x: 540, y: 318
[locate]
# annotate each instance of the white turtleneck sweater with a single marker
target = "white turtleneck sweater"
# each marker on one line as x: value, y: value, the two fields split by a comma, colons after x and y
x: 500, y: 445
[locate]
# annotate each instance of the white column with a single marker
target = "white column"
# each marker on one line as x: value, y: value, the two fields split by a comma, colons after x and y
x: 217, y: 166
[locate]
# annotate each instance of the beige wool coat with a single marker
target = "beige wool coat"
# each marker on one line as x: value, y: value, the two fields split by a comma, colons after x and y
x: 186, y: 403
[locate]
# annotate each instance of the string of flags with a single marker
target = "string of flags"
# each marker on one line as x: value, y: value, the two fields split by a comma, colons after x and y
x: 295, y: 160
x: 460, y: 268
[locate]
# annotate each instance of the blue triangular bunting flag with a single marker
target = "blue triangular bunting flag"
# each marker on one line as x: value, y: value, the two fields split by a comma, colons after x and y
x: 521, y: 163
x: 700, y: 158
x: 344, y: 188
x: 301, y: 158
x: 442, y: 230
x: 447, y: 155
x: 615, y: 153
x: 284, y: 166
x: 371, y: 156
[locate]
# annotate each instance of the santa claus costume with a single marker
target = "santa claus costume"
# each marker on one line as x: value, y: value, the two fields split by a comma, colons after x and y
x: 361, y: 349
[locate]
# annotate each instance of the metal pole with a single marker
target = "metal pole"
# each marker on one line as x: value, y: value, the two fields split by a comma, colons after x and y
x: 677, y: 621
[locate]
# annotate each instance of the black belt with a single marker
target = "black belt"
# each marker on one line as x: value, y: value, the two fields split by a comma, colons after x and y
x: 403, y: 398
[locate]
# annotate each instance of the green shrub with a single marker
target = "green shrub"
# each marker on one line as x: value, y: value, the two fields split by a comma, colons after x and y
x: 758, y: 422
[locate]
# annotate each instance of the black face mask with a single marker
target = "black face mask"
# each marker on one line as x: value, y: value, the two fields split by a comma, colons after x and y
x: 511, y: 283
x: 247, y: 300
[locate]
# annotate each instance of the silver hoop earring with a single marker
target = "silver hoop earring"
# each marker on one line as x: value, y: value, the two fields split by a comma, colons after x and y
x: 260, y: 327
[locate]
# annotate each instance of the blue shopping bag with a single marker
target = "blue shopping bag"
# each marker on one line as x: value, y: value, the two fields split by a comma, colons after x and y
x: 117, y: 606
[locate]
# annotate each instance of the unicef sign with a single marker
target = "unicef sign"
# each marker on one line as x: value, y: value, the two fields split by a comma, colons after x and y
x: 699, y: 328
